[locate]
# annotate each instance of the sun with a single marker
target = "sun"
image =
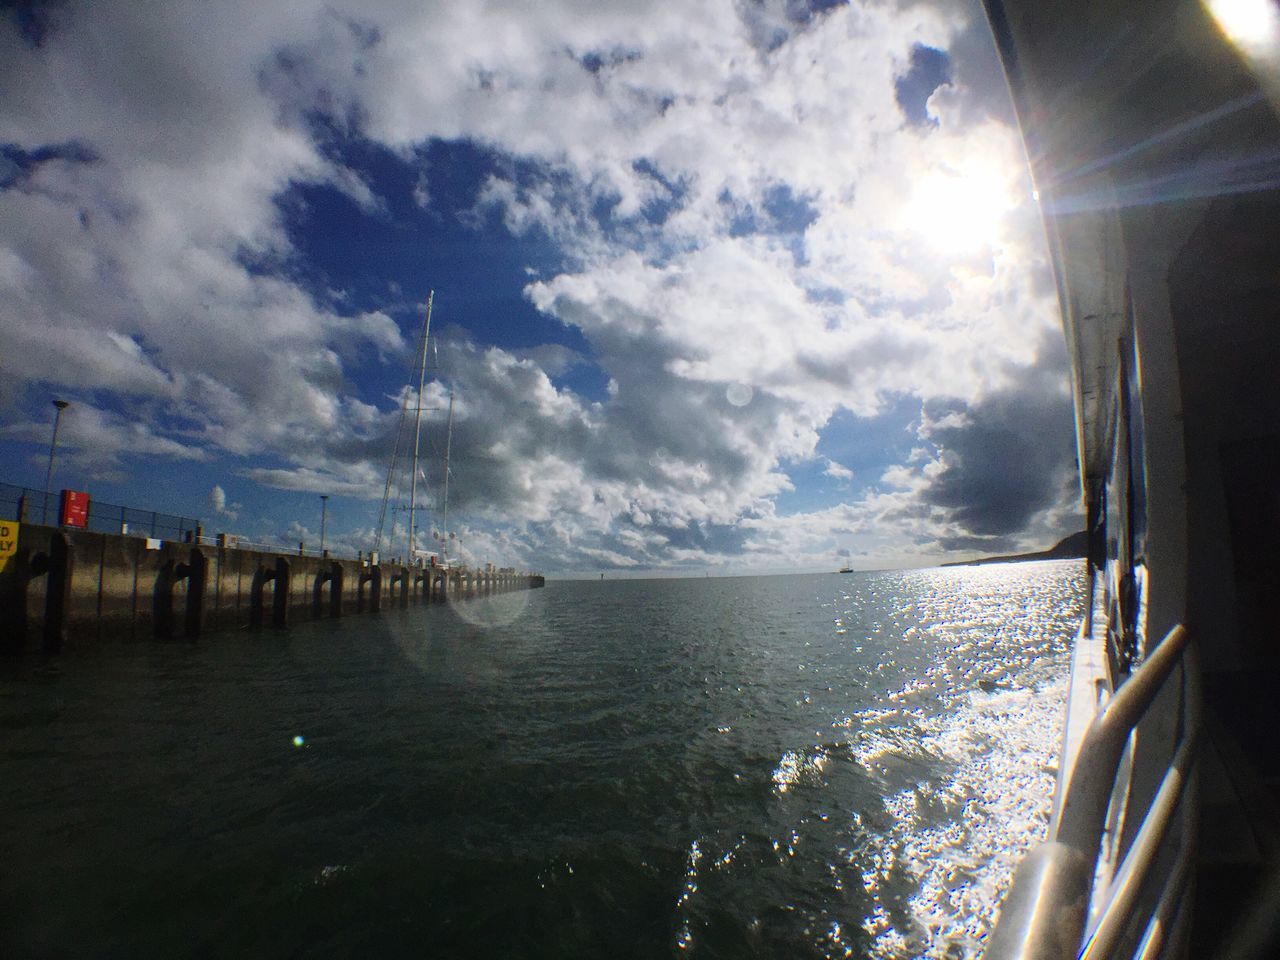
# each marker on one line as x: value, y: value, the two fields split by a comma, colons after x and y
x: 958, y: 213
x: 1248, y: 23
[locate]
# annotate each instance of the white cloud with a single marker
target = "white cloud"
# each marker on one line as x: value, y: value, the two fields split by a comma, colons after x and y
x: 836, y: 470
x: 128, y: 272
x: 91, y: 441
x: 221, y: 508
x: 780, y: 246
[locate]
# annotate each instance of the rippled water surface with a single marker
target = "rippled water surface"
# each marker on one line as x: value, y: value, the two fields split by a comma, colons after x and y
x: 803, y: 766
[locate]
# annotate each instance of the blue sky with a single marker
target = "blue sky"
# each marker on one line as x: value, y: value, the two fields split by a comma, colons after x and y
x: 737, y: 287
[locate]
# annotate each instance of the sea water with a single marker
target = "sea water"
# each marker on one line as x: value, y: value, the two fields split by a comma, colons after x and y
x: 793, y: 766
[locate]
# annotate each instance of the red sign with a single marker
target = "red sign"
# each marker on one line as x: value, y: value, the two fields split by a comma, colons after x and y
x: 75, y: 509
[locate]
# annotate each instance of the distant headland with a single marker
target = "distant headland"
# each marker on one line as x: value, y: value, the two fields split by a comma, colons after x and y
x: 1067, y: 548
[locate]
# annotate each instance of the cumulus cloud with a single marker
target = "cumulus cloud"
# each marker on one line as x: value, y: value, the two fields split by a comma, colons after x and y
x: 757, y: 236
x: 221, y: 508
x: 1003, y: 461
x: 93, y: 442
x: 135, y: 264
x: 839, y: 471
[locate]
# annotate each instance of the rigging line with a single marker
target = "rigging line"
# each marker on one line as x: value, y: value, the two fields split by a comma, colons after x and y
x: 448, y: 447
x: 395, y: 451
x: 391, y: 471
x: 417, y: 426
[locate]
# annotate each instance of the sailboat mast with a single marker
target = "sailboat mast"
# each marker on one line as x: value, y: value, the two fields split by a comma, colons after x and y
x: 448, y: 446
x: 417, y: 426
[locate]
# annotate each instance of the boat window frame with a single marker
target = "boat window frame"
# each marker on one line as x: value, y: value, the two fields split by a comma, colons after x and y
x: 1124, y: 514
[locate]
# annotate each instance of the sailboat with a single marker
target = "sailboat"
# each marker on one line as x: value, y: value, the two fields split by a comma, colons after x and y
x: 413, y: 553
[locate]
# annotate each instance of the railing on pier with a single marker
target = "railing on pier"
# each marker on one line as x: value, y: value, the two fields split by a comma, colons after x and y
x: 299, y: 548
x: 1047, y: 913
x: 292, y: 548
x: 33, y: 506
x: 26, y: 505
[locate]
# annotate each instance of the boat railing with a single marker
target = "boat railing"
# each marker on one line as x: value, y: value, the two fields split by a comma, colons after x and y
x: 1046, y: 914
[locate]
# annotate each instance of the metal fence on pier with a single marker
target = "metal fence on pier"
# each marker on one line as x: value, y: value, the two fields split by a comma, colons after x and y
x: 235, y: 542
x: 33, y: 506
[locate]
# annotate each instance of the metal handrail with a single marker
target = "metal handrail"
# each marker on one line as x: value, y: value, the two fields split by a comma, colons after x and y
x: 1173, y: 906
x: 1046, y: 909
x: 1137, y: 862
x: 1084, y: 808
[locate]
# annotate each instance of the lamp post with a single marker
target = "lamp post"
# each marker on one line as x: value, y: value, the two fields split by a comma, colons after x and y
x: 324, y: 515
x: 59, y: 406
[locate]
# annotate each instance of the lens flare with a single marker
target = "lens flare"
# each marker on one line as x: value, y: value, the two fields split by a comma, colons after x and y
x: 489, y: 613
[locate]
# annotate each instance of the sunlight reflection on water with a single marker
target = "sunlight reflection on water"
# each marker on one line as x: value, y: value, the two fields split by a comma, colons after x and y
x: 957, y: 838
x: 961, y: 738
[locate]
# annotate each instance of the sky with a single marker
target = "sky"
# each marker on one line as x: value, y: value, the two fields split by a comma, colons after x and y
x: 726, y: 287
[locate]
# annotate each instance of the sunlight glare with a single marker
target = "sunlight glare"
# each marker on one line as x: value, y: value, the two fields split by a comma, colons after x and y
x: 1247, y: 23
x: 958, y: 214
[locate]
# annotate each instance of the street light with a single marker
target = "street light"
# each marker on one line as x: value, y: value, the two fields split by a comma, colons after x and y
x: 324, y: 515
x: 60, y: 405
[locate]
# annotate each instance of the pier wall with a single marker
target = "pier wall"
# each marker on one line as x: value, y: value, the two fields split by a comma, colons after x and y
x: 61, y: 588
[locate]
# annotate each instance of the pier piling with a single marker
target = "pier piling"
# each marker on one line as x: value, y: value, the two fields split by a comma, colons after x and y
x: 279, y: 578
x: 194, y: 572
x: 332, y: 577
x: 373, y: 577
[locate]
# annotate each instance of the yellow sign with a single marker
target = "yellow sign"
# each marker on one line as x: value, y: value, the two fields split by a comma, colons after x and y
x: 8, y: 542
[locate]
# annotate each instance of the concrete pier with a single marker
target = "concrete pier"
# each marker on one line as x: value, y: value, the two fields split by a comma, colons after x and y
x: 61, y: 588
